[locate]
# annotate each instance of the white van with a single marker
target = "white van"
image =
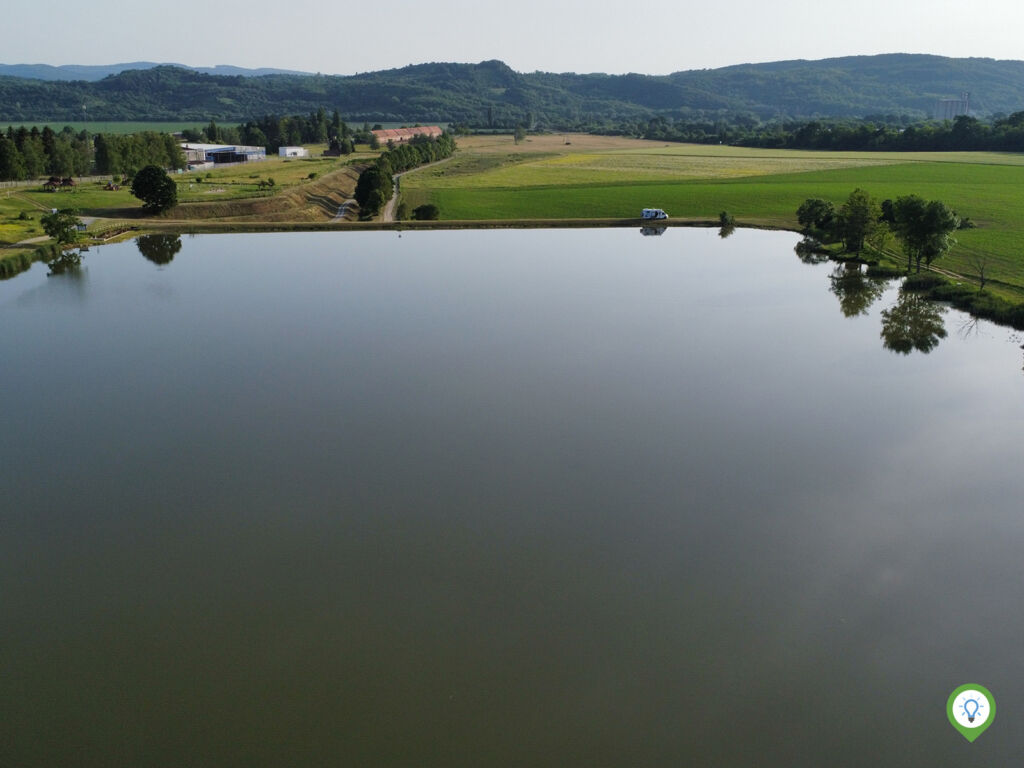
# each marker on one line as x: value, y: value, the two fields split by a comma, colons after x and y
x: 653, y: 213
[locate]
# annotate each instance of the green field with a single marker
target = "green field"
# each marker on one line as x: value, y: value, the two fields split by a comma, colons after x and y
x: 237, y: 181
x: 759, y: 187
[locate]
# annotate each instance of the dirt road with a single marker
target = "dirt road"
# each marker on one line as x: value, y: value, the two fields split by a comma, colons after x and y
x: 389, y: 207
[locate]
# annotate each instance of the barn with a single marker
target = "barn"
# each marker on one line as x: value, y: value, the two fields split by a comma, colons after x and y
x: 399, y: 135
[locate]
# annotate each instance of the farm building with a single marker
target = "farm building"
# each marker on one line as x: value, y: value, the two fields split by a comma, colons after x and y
x: 292, y: 152
x: 201, y: 154
x: 398, y: 135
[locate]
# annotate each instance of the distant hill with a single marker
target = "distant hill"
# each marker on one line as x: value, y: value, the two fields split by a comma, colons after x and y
x: 490, y: 93
x: 92, y: 73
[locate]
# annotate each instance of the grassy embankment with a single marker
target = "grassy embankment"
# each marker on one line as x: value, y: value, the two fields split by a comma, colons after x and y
x: 597, y: 177
x: 305, y: 190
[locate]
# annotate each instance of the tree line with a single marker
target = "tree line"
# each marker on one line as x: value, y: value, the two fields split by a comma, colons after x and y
x: 275, y: 131
x: 30, y: 154
x: 923, y: 228
x: 33, y: 153
x: 963, y: 133
x: 376, y: 184
x: 884, y: 133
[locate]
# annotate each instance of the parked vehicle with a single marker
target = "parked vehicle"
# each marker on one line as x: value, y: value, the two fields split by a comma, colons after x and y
x: 653, y: 213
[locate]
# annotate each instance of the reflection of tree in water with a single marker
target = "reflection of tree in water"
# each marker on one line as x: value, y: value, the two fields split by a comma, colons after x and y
x: 809, y: 251
x: 726, y: 230
x: 160, y: 249
x: 856, y: 291
x: 67, y: 263
x: 970, y: 326
x: 913, y: 322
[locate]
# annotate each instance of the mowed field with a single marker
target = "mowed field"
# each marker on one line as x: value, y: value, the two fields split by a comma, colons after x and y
x: 606, y: 177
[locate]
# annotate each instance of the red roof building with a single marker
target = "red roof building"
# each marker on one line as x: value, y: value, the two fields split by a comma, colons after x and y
x: 398, y: 135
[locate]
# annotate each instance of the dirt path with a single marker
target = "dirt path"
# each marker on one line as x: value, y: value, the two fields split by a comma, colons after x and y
x: 343, y: 209
x: 389, y: 208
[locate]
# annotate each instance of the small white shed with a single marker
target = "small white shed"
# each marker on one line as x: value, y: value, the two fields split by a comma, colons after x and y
x: 293, y: 152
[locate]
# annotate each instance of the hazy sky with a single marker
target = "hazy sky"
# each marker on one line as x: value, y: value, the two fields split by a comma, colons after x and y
x: 650, y: 36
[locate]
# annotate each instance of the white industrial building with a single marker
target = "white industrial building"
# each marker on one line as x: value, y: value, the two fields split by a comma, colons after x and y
x: 201, y: 155
x: 293, y: 152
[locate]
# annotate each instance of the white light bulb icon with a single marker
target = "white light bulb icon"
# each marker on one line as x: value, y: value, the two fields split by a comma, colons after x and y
x: 971, y: 708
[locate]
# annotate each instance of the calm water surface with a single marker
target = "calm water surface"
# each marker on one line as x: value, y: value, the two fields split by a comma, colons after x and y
x: 504, y: 498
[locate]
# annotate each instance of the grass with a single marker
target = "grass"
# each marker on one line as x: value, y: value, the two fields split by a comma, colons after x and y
x: 220, y: 193
x: 242, y: 180
x: 493, y: 178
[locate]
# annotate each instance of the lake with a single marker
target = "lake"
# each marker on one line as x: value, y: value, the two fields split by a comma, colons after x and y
x: 502, y: 498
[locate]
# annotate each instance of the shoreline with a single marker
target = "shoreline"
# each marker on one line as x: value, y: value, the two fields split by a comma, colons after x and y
x: 194, y: 227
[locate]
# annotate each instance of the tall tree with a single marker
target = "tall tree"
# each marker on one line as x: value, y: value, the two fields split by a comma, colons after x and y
x: 923, y: 228
x: 858, y: 220
x: 12, y: 165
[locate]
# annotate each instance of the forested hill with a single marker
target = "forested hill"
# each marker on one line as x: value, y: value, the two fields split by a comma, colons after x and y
x: 490, y: 93
x: 92, y: 72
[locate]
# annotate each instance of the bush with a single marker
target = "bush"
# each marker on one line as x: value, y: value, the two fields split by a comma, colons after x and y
x: 881, y: 270
x: 427, y: 212
x: 923, y: 281
x: 726, y: 219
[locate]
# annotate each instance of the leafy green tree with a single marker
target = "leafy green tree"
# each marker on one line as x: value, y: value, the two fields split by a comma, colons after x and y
x: 33, y: 157
x: 519, y: 134
x: 374, y: 202
x: 12, y: 165
x: 155, y: 189
x: 817, y: 217
x: 62, y: 226
x: 373, y: 178
x: 858, y: 220
x: 923, y: 228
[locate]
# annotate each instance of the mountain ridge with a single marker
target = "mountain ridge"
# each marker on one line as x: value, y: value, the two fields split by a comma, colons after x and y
x: 492, y: 93
x: 92, y: 72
